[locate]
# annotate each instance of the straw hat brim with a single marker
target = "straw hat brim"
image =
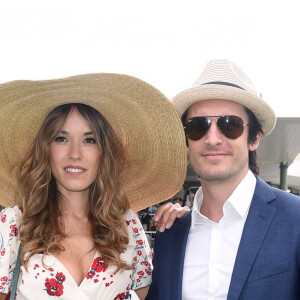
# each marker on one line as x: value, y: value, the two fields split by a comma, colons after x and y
x: 263, y: 112
x: 141, y: 116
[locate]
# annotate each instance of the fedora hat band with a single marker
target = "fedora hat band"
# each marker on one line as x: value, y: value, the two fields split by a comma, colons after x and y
x: 223, y: 83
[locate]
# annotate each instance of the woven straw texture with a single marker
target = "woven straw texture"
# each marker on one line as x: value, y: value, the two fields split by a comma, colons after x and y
x: 142, y: 116
x: 226, y: 72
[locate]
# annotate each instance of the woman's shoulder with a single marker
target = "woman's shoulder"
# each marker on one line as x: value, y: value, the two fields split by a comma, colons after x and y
x: 130, y: 214
x: 131, y: 219
x: 10, y: 213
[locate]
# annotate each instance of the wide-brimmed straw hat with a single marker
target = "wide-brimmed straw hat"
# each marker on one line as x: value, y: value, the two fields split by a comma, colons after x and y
x: 141, y: 116
x: 223, y: 80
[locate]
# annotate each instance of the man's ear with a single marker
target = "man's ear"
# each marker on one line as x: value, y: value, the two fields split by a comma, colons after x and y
x: 253, y: 146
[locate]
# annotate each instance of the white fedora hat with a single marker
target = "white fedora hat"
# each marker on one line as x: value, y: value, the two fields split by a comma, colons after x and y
x: 222, y: 79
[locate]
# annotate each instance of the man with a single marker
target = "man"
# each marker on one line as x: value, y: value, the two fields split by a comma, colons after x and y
x: 241, y: 240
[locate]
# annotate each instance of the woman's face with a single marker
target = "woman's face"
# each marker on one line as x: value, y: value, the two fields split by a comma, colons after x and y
x: 74, y: 156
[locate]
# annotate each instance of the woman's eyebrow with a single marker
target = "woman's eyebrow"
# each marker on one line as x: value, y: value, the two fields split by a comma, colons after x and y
x: 85, y: 133
x: 88, y: 133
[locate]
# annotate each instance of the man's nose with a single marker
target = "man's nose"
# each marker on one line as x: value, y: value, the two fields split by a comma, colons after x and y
x: 213, y: 135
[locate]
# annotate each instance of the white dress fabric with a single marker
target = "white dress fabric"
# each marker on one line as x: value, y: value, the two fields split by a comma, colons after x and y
x: 101, y: 282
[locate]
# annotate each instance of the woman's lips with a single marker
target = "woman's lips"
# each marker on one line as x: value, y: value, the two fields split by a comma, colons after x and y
x: 74, y: 170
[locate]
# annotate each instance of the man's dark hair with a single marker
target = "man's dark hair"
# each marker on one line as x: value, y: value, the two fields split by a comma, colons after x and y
x: 254, y: 129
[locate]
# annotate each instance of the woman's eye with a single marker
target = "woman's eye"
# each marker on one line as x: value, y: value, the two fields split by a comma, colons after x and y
x: 90, y: 141
x: 60, y: 139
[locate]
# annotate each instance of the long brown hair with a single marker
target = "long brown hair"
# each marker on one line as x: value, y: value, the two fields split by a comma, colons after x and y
x: 40, y: 230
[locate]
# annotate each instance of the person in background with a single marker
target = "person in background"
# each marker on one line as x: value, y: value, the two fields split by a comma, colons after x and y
x: 152, y: 210
x: 241, y: 240
x: 73, y: 159
x: 189, y: 200
x: 145, y: 219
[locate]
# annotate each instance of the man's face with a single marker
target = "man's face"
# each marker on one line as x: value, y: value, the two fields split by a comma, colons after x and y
x: 215, y: 157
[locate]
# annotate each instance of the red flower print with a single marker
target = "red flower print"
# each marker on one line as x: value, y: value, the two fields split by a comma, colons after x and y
x: 14, y: 230
x: 141, y: 273
x: 139, y: 252
x: 135, y: 230
x: 133, y: 221
x: 54, y: 288
x: 144, y: 263
x: 99, y: 265
x: 140, y: 242
x: 3, y: 218
x: 60, y: 276
x: 3, y: 252
x: 90, y: 274
x: 96, y: 280
x: 148, y: 272
x: 120, y: 296
x: 4, y: 278
x: 127, y: 223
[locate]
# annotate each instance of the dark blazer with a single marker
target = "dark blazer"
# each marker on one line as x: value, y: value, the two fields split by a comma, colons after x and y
x: 268, y: 258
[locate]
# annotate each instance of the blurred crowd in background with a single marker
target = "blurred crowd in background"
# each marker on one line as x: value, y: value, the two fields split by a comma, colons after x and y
x: 185, y: 197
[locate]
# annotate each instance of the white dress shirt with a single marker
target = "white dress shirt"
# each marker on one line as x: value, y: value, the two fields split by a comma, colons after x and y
x: 212, y: 247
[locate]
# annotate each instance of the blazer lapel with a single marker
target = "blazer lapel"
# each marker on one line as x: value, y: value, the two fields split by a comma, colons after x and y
x: 169, y: 252
x: 259, y: 218
x: 178, y: 253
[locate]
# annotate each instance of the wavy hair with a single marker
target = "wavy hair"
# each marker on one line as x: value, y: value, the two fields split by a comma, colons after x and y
x: 40, y: 231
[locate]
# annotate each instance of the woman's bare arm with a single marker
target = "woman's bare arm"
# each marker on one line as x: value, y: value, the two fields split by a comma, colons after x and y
x: 141, y: 293
x: 2, y: 296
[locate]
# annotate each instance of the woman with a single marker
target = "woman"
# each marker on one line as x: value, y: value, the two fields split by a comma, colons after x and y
x: 100, y: 145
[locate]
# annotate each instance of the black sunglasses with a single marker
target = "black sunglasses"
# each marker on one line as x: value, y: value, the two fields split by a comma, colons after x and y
x: 231, y: 127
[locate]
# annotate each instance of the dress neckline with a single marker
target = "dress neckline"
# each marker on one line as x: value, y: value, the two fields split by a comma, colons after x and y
x: 67, y: 271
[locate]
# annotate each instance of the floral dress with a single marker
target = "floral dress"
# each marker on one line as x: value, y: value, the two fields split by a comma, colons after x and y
x: 101, y: 282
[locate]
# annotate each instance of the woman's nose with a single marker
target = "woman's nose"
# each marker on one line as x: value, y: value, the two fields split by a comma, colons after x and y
x: 75, y: 151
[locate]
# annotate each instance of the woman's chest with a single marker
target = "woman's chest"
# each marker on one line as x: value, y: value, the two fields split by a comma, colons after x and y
x: 55, y: 280
x: 77, y: 256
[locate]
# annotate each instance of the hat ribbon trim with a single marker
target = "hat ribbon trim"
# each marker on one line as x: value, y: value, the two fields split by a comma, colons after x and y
x: 223, y: 83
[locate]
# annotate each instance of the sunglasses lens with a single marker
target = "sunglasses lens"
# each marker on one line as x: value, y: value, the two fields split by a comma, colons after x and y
x: 197, y: 127
x: 231, y: 126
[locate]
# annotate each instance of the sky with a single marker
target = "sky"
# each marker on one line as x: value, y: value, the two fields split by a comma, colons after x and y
x: 163, y: 42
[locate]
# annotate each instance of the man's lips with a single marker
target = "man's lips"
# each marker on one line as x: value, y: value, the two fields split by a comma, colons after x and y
x: 214, y: 155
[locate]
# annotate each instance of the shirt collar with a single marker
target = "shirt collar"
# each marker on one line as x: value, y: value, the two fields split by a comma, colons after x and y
x: 240, y: 199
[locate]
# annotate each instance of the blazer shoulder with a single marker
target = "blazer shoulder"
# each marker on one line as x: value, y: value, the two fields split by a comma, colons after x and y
x: 287, y: 199
x: 284, y: 202
x: 180, y: 224
x: 264, y: 190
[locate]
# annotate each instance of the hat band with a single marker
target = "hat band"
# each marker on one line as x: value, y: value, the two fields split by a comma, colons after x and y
x: 223, y: 83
